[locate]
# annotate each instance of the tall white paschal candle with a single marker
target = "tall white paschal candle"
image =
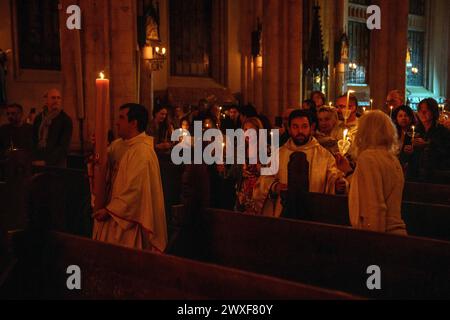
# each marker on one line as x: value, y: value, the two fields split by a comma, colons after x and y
x: 102, y: 126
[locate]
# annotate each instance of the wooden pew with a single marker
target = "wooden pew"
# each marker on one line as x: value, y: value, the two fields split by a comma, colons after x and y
x: 321, y: 255
x: 422, y: 219
x: 63, y: 198
x: 427, y: 193
x: 111, y: 272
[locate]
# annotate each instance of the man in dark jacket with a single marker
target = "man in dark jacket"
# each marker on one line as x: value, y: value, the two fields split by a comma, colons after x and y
x: 52, y: 133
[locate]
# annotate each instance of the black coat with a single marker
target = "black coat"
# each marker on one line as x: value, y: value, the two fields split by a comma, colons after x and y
x: 58, y: 142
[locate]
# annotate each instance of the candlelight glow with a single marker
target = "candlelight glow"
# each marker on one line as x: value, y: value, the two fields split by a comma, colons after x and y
x: 102, y: 75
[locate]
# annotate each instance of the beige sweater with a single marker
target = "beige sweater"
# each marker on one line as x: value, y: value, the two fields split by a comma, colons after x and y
x: 376, y: 191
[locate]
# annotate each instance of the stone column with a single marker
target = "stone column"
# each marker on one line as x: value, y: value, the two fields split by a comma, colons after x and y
x: 388, y: 51
x: 294, y: 53
x: 271, y: 56
x: 107, y: 42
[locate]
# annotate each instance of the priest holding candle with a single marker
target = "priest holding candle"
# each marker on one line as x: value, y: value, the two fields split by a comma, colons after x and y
x: 134, y: 215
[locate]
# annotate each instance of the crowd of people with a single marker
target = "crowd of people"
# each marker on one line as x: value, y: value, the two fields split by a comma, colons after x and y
x: 324, y: 148
x: 45, y: 137
x: 385, y: 149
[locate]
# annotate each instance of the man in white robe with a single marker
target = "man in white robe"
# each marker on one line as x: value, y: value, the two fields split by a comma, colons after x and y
x: 324, y: 177
x: 135, y: 215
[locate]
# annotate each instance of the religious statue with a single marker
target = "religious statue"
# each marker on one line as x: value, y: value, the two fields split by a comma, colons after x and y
x: 3, y: 70
x: 152, y: 23
x: 344, y: 49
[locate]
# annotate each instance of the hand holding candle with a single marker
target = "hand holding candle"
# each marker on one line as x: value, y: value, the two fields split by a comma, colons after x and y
x: 347, y: 107
x: 344, y: 144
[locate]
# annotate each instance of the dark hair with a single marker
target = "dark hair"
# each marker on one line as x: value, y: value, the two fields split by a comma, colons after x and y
x: 312, y: 110
x: 405, y: 109
x: 409, y: 112
x: 320, y: 93
x: 233, y: 106
x: 158, y: 108
x: 352, y: 99
x: 137, y: 112
x: 433, y: 106
x: 311, y: 104
x: 17, y: 106
x: 301, y: 114
x: 249, y: 111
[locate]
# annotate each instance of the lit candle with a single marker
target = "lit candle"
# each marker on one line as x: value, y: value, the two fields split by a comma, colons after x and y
x: 345, y: 135
x: 102, y: 119
x: 346, y: 115
x: 371, y: 104
x: 364, y: 109
x: 414, y: 133
x: 330, y: 104
x: 392, y: 109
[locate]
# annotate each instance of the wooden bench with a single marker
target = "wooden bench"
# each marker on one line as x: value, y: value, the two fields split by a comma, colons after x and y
x: 111, y: 272
x: 321, y: 255
x: 427, y: 193
x: 422, y: 219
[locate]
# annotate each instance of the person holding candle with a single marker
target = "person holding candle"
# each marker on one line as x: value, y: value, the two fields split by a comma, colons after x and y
x: 376, y: 187
x: 16, y: 134
x: 324, y: 176
x: 352, y: 120
x: 432, y: 142
x: 135, y: 212
x: 248, y: 175
x: 404, y: 120
x: 161, y: 129
x: 318, y: 98
x: 395, y: 99
x: 328, y: 119
x: 52, y: 133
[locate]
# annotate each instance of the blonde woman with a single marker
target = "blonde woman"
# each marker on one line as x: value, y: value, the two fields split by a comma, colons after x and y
x: 376, y: 189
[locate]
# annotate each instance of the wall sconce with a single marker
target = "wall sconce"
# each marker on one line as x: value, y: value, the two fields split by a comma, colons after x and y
x: 353, y: 66
x: 257, y: 45
x: 259, y: 61
x: 414, y: 70
x: 155, y: 55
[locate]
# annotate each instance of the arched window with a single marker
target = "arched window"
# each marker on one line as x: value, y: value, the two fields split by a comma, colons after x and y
x: 37, y: 36
x: 359, y: 43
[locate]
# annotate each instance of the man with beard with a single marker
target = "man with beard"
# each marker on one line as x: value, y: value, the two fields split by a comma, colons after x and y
x: 324, y: 176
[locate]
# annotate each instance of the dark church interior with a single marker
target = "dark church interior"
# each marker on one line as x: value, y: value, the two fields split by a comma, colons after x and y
x: 225, y: 150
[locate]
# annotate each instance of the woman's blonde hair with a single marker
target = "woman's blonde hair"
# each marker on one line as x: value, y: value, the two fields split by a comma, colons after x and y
x: 255, y: 122
x: 376, y: 130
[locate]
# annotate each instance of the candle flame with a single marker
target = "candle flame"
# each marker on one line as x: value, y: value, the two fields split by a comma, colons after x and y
x: 102, y: 75
x: 345, y: 134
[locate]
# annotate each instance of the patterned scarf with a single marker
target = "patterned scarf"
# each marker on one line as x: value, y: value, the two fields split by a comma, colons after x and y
x: 45, y: 125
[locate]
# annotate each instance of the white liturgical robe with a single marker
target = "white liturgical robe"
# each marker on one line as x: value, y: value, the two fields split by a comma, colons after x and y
x: 323, y: 172
x: 136, y: 204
